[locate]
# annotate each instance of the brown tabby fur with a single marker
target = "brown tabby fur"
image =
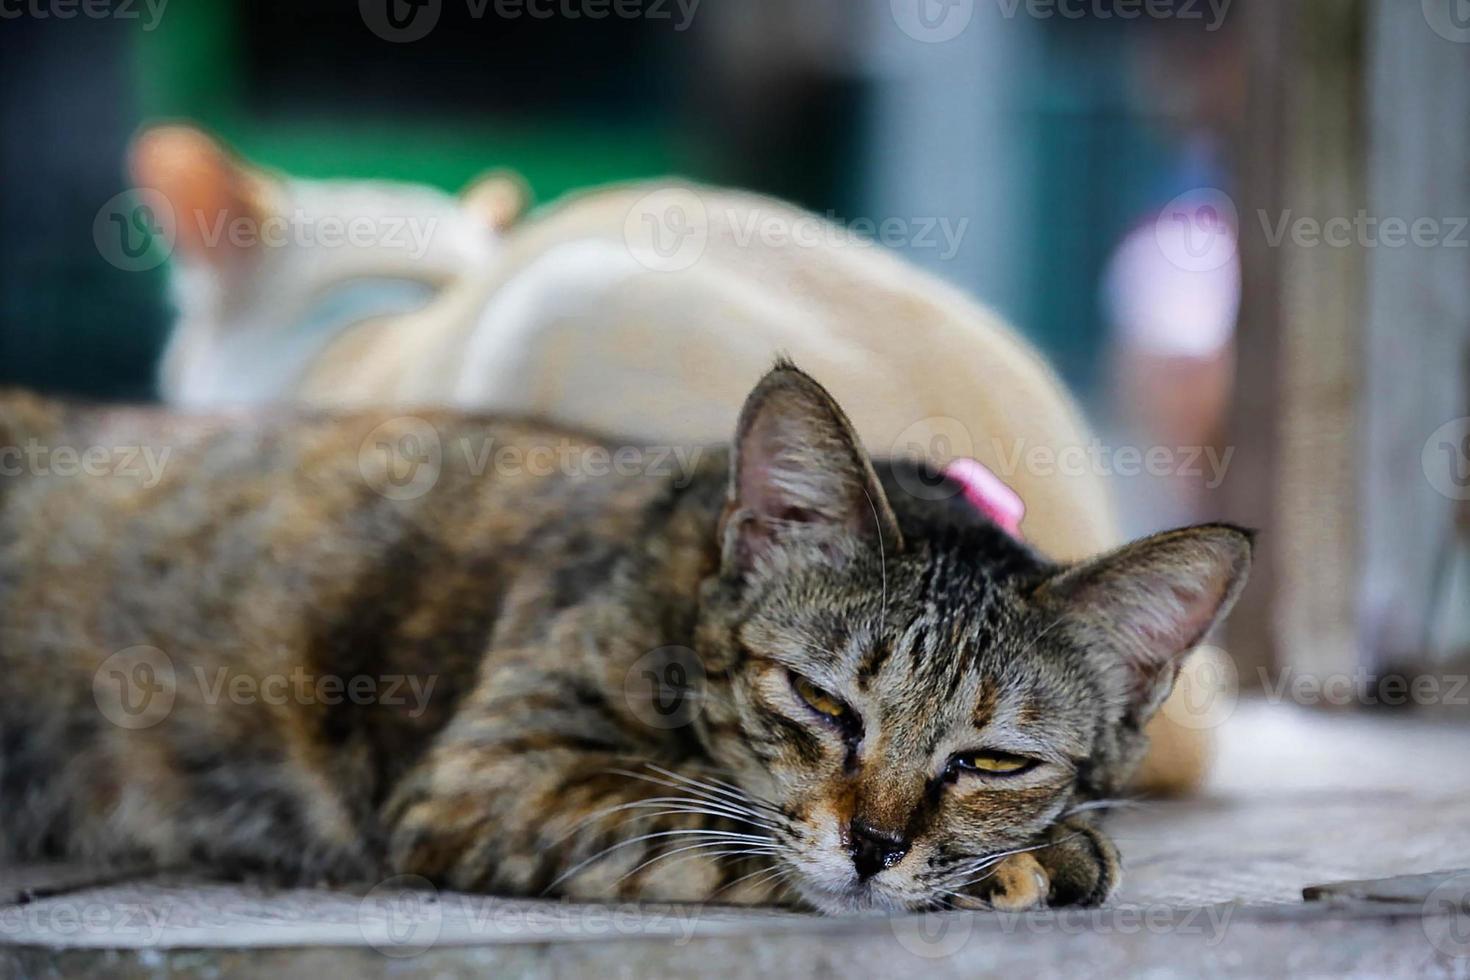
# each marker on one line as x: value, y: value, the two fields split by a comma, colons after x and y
x: 522, y: 610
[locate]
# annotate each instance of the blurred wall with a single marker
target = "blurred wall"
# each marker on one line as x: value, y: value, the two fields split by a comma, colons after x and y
x: 68, y: 104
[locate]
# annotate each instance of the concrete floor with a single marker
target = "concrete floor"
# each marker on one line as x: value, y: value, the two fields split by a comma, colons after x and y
x: 1214, y: 885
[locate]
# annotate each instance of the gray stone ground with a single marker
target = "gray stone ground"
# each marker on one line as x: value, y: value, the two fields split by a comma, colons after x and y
x: 1213, y: 886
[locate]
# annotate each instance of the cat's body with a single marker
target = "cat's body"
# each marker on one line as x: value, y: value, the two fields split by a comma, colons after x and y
x: 265, y: 551
x: 288, y: 656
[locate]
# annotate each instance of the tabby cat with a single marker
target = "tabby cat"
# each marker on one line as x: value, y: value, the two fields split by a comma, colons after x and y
x: 782, y: 673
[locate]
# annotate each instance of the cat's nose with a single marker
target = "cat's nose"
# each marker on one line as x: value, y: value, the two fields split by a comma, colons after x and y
x: 873, y: 849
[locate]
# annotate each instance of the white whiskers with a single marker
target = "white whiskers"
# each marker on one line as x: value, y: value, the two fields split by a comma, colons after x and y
x: 694, y: 796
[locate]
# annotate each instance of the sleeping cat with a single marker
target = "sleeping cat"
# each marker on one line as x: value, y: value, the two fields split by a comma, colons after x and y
x: 882, y: 699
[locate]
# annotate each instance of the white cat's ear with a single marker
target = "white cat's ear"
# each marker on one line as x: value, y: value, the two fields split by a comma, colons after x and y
x: 208, y: 189
x: 1148, y: 604
x: 497, y: 198
x: 800, y: 475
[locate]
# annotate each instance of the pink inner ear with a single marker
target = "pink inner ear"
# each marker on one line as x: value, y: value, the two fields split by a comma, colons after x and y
x: 989, y: 494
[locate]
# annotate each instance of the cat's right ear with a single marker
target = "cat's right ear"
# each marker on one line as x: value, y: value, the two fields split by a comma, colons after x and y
x: 497, y: 198
x: 800, y: 477
x: 1145, y: 606
x: 208, y: 189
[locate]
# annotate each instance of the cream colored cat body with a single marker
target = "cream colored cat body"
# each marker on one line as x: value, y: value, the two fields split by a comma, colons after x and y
x: 570, y: 312
x: 650, y: 309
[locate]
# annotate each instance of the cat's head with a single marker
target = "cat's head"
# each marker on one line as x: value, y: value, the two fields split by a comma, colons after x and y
x: 911, y: 687
x: 266, y: 268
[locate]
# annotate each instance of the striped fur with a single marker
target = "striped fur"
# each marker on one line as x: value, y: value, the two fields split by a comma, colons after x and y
x: 525, y: 610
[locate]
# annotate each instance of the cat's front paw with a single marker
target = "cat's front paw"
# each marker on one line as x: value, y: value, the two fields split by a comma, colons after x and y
x: 1081, y: 863
x: 1019, y: 883
x: 1077, y: 866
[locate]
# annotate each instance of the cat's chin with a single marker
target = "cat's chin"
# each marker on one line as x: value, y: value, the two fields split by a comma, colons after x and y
x: 855, y: 900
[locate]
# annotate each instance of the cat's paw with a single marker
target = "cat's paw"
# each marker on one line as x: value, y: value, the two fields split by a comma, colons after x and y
x: 1078, y: 866
x: 1081, y: 864
x: 1019, y: 883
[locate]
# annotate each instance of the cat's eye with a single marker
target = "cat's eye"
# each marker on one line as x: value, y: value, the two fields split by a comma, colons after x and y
x: 992, y: 763
x: 827, y: 705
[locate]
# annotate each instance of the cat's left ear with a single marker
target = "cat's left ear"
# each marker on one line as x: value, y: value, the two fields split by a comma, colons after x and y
x: 800, y: 477
x: 1146, y: 605
x: 208, y: 189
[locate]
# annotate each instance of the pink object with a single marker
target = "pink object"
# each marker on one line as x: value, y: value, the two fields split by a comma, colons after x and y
x: 989, y: 494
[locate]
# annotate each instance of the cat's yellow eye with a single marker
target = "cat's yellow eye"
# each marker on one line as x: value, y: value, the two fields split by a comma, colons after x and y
x: 819, y: 700
x: 995, y: 763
